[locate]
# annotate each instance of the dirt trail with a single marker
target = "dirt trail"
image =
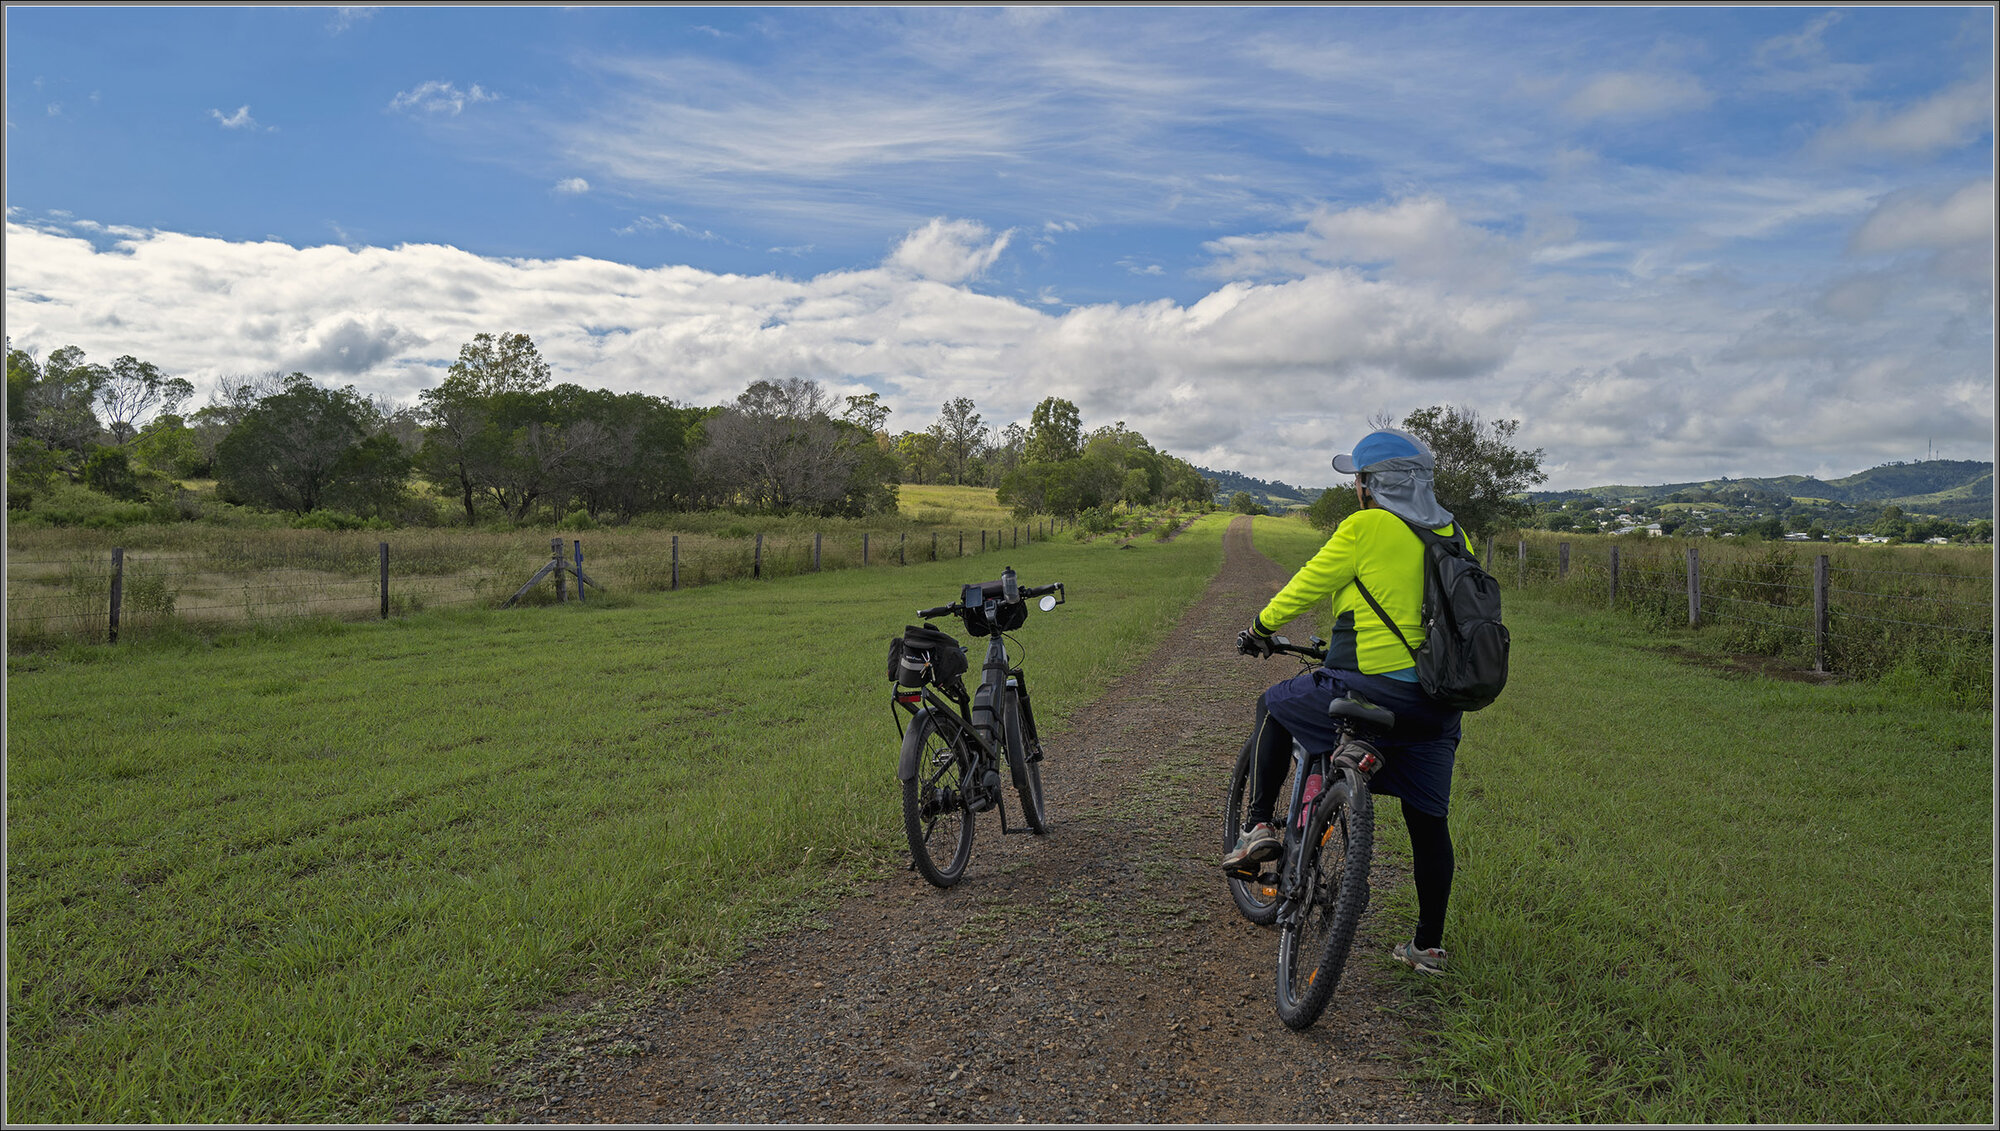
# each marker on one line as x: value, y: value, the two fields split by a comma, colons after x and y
x: 1099, y: 974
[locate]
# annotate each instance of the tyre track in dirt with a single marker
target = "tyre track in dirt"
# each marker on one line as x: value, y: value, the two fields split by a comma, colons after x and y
x: 1098, y: 974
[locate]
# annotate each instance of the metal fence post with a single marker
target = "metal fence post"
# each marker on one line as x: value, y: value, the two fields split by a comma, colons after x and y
x: 815, y: 551
x: 1694, y: 587
x: 1614, y: 577
x: 117, y: 589
x: 757, y: 557
x: 578, y: 545
x: 1821, y: 575
x: 384, y: 547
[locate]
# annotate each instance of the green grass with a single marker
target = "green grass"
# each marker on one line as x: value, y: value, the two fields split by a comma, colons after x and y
x: 1689, y: 897
x: 303, y: 876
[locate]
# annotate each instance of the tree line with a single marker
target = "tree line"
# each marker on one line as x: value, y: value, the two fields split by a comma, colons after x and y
x: 497, y: 439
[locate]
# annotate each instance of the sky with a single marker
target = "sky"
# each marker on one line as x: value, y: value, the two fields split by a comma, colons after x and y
x: 1672, y: 243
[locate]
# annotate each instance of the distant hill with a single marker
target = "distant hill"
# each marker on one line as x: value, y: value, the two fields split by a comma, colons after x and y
x: 1942, y: 487
x: 1273, y: 494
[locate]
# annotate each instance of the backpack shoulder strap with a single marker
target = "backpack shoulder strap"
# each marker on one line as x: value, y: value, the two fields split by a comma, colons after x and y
x: 1370, y: 598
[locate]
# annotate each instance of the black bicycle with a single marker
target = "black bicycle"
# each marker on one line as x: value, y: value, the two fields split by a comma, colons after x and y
x: 956, y: 741
x: 1316, y: 888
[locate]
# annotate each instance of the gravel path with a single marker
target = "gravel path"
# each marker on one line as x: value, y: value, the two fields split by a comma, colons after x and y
x: 1098, y: 974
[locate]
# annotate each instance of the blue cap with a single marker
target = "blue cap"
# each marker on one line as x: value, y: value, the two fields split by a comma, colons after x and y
x: 1387, y: 444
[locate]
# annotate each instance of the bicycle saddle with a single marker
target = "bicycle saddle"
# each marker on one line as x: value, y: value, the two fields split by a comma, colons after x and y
x: 1355, y: 706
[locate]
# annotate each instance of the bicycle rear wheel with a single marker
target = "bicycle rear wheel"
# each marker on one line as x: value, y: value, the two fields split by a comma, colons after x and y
x: 1257, y: 899
x: 1027, y: 774
x: 1316, y: 932
x: 935, y: 817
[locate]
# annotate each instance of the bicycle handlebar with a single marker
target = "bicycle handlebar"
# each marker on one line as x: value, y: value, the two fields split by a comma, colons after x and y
x: 1313, y: 651
x: 1024, y: 594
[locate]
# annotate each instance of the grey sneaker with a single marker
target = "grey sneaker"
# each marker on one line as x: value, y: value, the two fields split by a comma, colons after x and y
x: 1261, y: 843
x: 1430, y: 961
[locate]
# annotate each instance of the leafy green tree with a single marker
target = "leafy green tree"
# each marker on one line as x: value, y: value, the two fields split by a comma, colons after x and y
x: 778, y: 449
x: 167, y: 446
x: 109, y: 470
x: 920, y: 458
x: 1243, y: 503
x: 1479, y: 471
x: 297, y: 451
x: 1055, y: 432
x: 465, y: 445
x: 1332, y: 507
x: 132, y: 389
x: 961, y: 434
x: 54, y: 403
x: 867, y: 412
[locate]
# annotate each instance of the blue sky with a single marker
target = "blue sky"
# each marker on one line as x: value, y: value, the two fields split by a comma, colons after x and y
x: 1674, y: 243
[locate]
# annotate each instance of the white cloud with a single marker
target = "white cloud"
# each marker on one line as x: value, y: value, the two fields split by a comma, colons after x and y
x: 347, y: 16
x: 1418, y: 237
x: 240, y: 120
x: 440, y: 97
x: 1907, y: 222
x: 572, y: 186
x: 1955, y: 116
x: 666, y: 223
x: 1636, y: 94
x: 949, y: 251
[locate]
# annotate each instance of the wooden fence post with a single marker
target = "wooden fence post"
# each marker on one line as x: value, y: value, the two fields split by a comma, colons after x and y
x: 117, y: 589
x: 577, y: 545
x: 757, y: 557
x: 815, y: 551
x: 933, y: 545
x: 1821, y: 575
x: 1614, y: 577
x: 555, y: 554
x: 902, y: 541
x: 1521, y: 566
x: 1694, y: 587
x: 674, y: 578
x: 384, y: 547
x: 1017, y: 538
x: 982, y: 541
x: 961, y: 543
x: 864, y: 547
x: 1562, y: 561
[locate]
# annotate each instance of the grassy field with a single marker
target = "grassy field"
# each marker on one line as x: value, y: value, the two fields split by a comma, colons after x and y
x: 1690, y: 894
x: 303, y: 877
x: 306, y: 875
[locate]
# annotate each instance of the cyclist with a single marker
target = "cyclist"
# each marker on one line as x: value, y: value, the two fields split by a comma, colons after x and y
x: 1392, y: 472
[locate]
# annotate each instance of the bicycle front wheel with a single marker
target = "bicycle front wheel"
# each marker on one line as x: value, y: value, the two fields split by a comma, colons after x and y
x: 1317, y: 930
x: 935, y: 816
x: 1027, y: 774
x: 1256, y: 898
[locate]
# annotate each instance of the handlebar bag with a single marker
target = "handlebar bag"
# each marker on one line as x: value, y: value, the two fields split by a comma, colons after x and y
x: 1010, y: 615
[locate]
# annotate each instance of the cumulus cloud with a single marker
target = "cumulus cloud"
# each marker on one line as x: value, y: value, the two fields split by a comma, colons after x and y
x: 347, y: 16
x: 1636, y: 94
x: 949, y: 251
x: 1955, y: 116
x: 440, y: 97
x: 1266, y: 376
x: 572, y: 186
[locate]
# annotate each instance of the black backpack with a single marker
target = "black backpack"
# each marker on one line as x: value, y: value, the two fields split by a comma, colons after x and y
x: 1462, y: 665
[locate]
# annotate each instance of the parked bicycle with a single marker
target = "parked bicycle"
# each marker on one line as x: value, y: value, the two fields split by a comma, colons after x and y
x: 957, y: 741
x: 1316, y: 888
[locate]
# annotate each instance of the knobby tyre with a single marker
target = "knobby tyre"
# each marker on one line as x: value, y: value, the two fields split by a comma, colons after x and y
x: 1256, y: 899
x: 1027, y: 774
x: 1317, y: 933
x: 935, y: 817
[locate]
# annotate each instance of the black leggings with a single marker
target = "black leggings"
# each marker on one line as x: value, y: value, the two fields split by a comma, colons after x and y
x: 1431, y: 860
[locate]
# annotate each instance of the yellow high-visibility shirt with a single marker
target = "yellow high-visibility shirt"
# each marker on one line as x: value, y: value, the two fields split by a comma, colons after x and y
x: 1382, y: 551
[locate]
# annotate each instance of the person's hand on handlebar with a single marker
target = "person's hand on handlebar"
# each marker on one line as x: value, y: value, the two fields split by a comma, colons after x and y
x: 1254, y: 642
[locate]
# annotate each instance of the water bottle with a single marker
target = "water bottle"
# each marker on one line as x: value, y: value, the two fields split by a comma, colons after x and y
x: 1313, y: 784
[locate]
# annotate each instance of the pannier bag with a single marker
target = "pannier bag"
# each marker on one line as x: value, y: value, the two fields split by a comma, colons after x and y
x: 925, y: 655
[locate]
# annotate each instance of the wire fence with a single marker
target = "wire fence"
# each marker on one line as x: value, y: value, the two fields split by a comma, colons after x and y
x: 103, y: 595
x: 1832, y: 611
